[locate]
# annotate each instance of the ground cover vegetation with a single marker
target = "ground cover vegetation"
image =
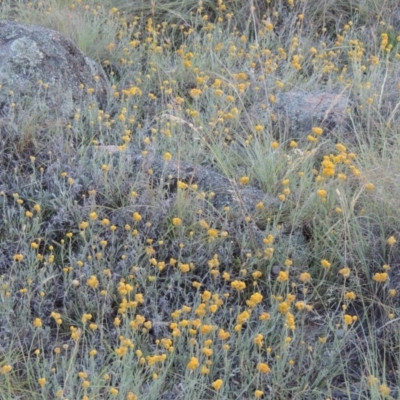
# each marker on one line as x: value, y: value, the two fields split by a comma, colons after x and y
x: 120, y: 282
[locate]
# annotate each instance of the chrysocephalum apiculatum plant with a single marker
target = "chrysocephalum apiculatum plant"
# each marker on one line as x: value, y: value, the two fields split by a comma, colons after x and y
x: 122, y: 281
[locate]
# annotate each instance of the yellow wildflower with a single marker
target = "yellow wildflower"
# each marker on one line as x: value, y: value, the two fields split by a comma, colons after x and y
x: 213, y: 233
x: 5, y: 369
x: 93, y: 282
x: 391, y: 241
x: 255, y: 299
x: 312, y: 139
x: 348, y: 320
x: 18, y: 257
x: 380, y: 277
x: 176, y: 221
x: 136, y: 217
x: 263, y: 368
x: 264, y: 316
x: 325, y: 264
x: 384, y: 390
x: 258, y: 340
x: 244, y: 180
x: 193, y: 363
x: 238, y: 285
x: 345, y: 272
x: 349, y: 295
x: 243, y: 317
x: 195, y: 93
x: 37, y: 323
x: 283, y: 276
x: 317, y: 130
x: 167, y: 156
x: 42, y: 381
x: 217, y: 384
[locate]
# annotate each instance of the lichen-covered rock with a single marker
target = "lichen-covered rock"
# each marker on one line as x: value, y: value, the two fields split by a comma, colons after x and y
x: 394, y: 19
x: 297, y: 112
x: 42, y: 70
x: 386, y: 103
x: 226, y: 192
x: 241, y: 200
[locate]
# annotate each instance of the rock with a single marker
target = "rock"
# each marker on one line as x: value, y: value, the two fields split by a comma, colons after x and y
x: 387, y: 102
x: 242, y: 200
x: 33, y: 57
x: 297, y: 112
x: 226, y: 192
x: 394, y: 19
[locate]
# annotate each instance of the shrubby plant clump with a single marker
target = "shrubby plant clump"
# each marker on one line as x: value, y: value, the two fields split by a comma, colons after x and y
x: 132, y: 265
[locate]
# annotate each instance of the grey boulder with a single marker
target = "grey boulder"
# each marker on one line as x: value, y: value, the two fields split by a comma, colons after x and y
x: 298, y: 112
x: 42, y: 70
